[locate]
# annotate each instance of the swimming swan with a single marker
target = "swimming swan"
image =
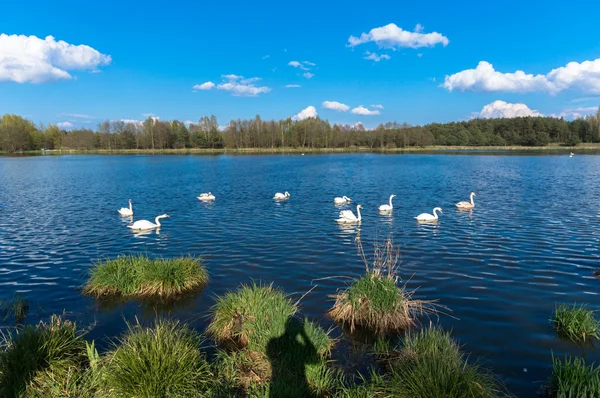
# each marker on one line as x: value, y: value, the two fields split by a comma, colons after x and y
x: 282, y: 196
x: 342, y: 201
x: 387, y: 207
x: 124, y: 211
x: 467, y: 205
x: 429, y: 217
x: 206, y: 196
x: 145, y: 224
x: 346, y: 216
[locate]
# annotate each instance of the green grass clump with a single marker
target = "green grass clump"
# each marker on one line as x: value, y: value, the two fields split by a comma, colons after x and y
x: 274, y: 353
x: 140, y: 276
x: 430, y: 364
x: 17, y: 308
x: 158, y: 362
x: 32, y: 356
x: 576, y: 322
x: 572, y: 378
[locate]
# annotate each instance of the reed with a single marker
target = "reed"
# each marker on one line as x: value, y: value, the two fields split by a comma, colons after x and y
x: 571, y: 377
x: 577, y: 322
x: 161, y: 361
x: 142, y: 277
x: 377, y: 301
x: 17, y: 308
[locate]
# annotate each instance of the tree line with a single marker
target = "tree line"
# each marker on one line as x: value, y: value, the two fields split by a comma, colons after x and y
x: 20, y: 134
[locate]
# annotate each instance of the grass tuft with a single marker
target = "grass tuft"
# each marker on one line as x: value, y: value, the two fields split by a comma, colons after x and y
x: 29, y: 355
x: 571, y: 377
x: 274, y: 353
x: 17, y: 307
x: 576, y: 322
x: 142, y: 277
x: 162, y: 361
x: 376, y: 301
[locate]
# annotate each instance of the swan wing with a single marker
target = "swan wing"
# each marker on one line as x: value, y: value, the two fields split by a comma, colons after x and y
x: 424, y: 216
x: 142, y: 224
x: 347, y: 214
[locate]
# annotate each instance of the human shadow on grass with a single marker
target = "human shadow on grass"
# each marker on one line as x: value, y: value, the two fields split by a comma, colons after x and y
x: 289, y: 354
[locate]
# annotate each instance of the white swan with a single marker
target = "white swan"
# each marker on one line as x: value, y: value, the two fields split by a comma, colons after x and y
x: 571, y: 155
x: 467, y: 205
x: 282, y: 196
x: 342, y: 201
x: 124, y: 211
x: 145, y: 224
x: 429, y: 217
x: 387, y: 207
x: 346, y: 216
x: 206, y: 196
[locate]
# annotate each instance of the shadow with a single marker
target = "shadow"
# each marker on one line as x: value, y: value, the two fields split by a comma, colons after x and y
x: 289, y: 354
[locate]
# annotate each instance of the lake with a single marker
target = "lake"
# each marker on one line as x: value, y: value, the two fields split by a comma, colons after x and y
x: 531, y: 241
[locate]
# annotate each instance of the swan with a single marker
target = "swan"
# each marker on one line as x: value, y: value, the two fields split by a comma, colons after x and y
x: 387, y: 207
x: 467, y: 205
x: 346, y: 216
x: 282, y: 196
x: 342, y: 201
x: 571, y: 155
x: 429, y: 217
x: 124, y: 211
x: 145, y: 224
x: 206, y: 196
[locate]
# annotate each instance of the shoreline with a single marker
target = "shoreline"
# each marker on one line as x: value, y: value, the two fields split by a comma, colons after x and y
x: 222, y: 151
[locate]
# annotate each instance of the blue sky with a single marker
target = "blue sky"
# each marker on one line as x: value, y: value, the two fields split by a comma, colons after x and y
x: 146, y: 57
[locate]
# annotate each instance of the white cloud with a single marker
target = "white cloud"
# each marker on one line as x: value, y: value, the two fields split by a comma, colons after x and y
x: 335, y: 106
x: 77, y: 115
x: 307, y: 112
x: 375, y: 57
x: 188, y: 122
x: 29, y: 59
x: 304, y: 65
x: 419, y: 55
x: 584, y: 76
x: 361, y: 110
x: 585, y: 99
x: 132, y: 121
x: 377, y: 106
x: 65, y: 125
x: 574, y: 113
x: 392, y: 36
x: 499, y: 109
x: 308, y: 75
x: 204, y: 86
x: 237, y: 85
x: 309, y: 63
x: 292, y: 86
x: 295, y: 64
x: 419, y: 28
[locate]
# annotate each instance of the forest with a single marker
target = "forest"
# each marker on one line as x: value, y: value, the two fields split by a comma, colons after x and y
x: 20, y: 134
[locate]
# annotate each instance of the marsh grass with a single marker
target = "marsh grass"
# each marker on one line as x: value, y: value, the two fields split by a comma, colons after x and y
x: 376, y: 301
x: 164, y: 360
x: 29, y: 356
x: 577, y: 322
x: 17, y: 308
x: 430, y: 364
x: 572, y: 378
x: 142, y: 277
x: 268, y: 350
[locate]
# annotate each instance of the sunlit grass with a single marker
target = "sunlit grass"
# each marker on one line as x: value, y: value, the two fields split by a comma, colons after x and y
x: 33, y: 355
x: 577, y: 322
x: 140, y: 276
x: 164, y: 360
x: 572, y: 378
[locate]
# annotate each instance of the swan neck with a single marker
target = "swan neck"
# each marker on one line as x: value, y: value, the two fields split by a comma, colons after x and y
x: 130, y: 207
x: 358, y: 212
x: 157, y: 221
x: 472, y: 201
x: 435, y: 215
x: 391, y: 197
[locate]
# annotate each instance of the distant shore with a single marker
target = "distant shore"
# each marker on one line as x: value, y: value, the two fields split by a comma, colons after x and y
x: 209, y: 151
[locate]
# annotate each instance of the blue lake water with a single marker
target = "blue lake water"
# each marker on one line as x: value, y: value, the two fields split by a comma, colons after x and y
x: 531, y: 242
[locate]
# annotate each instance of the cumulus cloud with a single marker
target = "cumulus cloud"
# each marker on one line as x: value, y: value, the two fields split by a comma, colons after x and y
x: 335, y: 106
x: 65, y: 125
x: 29, y: 59
x: 392, y: 36
x: 375, y: 57
x: 204, y: 86
x: 361, y: 110
x: 584, y: 76
x: 377, y: 106
x: 237, y: 85
x: 292, y: 86
x: 419, y: 28
x: 308, y: 75
x: 309, y: 111
x: 499, y: 109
